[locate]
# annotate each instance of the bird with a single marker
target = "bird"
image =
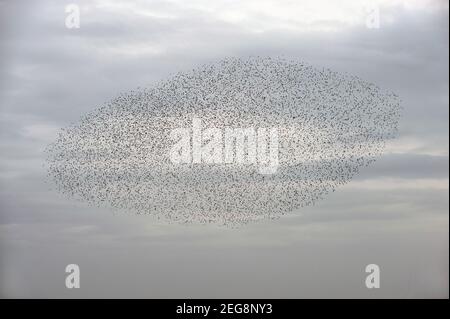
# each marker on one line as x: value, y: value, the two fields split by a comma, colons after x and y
x: 330, y: 125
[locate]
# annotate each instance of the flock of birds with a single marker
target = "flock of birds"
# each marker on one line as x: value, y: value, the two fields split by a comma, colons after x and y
x: 330, y: 125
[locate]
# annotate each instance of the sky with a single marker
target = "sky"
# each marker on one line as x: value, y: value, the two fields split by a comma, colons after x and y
x: 393, y: 214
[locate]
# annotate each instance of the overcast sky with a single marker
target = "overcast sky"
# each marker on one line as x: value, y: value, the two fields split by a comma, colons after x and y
x: 394, y: 214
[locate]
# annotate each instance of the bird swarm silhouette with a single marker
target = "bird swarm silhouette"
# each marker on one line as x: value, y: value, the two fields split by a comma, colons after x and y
x: 330, y: 125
